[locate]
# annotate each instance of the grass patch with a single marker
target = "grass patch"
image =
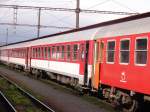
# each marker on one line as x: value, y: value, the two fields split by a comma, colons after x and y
x: 20, y: 102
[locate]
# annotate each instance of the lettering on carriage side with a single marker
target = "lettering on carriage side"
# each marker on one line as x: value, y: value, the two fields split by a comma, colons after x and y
x: 123, y: 77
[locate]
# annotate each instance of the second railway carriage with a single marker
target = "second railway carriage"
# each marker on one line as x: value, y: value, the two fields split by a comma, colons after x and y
x: 111, y: 58
x: 67, y: 56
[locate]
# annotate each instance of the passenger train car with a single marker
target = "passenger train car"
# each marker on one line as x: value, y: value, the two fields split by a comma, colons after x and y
x: 111, y: 58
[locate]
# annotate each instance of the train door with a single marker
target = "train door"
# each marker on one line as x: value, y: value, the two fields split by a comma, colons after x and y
x: 99, y: 51
x: 8, y: 52
x: 28, y: 58
x: 83, y: 60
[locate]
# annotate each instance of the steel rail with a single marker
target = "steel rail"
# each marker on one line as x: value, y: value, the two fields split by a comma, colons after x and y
x: 34, y: 100
x: 7, y: 103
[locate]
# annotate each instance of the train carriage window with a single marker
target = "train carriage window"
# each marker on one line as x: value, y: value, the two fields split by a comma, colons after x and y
x: 82, y: 52
x: 100, y: 47
x: 124, y: 51
x: 22, y: 53
x: 17, y: 53
x: 68, y: 52
x: 75, y: 52
x: 63, y: 52
x: 39, y: 53
x: 45, y: 52
x: 36, y: 52
x: 53, y: 52
x: 141, y: 51
x: 42, y: 52
x: 111, y: 51
x: 58, y: 52
x: 33, y: 53
x: 49, y: 52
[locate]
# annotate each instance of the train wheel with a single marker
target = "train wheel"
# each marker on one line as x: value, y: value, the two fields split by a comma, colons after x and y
x: 131, y: 107
x: 129, y: 104
x: 125, y: 102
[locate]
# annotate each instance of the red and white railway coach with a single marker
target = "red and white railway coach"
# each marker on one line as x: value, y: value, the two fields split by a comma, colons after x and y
x: 65, y: 54
x: 123, y: 54
x: 69, y: 54
x: 122, y: 63
x: 14, y: 54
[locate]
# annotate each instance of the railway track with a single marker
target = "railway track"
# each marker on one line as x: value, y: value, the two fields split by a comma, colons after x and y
x: 37, y: 103
x: 6, y: 106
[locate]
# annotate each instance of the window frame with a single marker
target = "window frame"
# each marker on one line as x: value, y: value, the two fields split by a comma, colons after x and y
x: 38, y: 52
x: 82, y: 52
x: 53, y: 53
x: 75, y: 52
x: 58, y: 51
x: 100, y: 56
x: 62, y: 57
x: 124, y: 39
x: 68, y: 59
x: 135, y: 49
x: 45, y: 52
x: 112, y: 40
x: 49, y: 51
x: 33, y: 51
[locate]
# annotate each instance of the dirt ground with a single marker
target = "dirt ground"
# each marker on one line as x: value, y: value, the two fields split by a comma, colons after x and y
x: 58, y: 99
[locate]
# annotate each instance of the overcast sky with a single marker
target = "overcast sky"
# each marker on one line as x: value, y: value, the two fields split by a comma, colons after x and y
x: 65, y: 19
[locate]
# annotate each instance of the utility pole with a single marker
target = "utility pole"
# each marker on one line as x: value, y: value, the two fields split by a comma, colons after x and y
x: 78, y: 14
x: 39, y: 23
x: 15, y: 18
x: 6, y: 36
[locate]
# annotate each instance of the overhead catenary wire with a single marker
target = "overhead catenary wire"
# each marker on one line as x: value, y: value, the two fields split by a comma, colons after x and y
x: 67, y: 9
x: 4, y: 14
x: 98, y: 4
x: 43, y: 26
x: 123, y: 5
x: 61, y: 19
x: 61, y: 9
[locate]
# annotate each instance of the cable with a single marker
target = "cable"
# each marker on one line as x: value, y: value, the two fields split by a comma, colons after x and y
x: 5, y: 0
x: 51, y: 0
x: 101, y: 3
x: 61, y: 19
x: 120, y: 4
x: 5, y: 14
x: 46, y: 1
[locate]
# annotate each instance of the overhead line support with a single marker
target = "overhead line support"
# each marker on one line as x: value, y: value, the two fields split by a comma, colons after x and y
x: 67, y: 9
x: 78, y: 14
x: 39, y: 22
x: 42, y: 26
